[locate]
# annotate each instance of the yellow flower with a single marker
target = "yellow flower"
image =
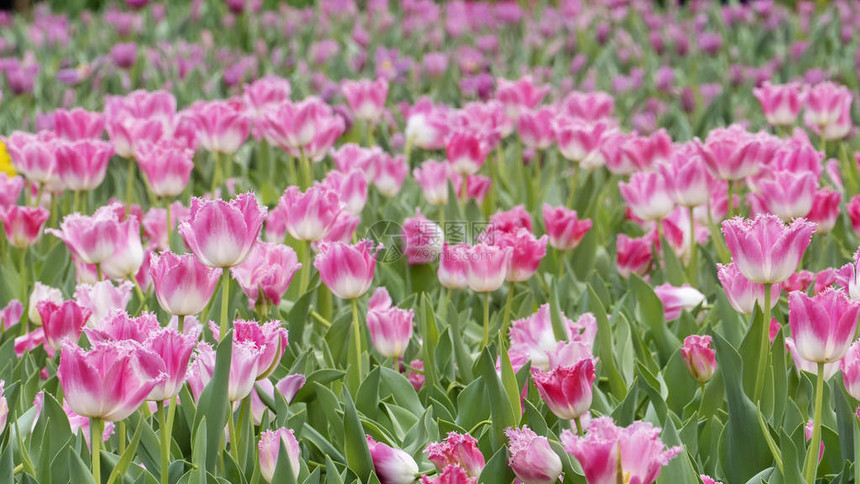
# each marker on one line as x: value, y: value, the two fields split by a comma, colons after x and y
x: 6, y: 165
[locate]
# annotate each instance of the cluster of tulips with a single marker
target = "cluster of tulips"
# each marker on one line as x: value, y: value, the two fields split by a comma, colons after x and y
x: 459, y: 243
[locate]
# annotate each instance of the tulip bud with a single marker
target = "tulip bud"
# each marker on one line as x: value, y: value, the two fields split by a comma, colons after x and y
x: 699, y: 357
x: 393, y: 466
x: 532, y: 459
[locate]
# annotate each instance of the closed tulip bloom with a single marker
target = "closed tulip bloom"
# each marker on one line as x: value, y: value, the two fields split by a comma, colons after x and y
x: 487, y: 266
x: 222, y: 127
x: 42, y: 292
x: 351, y: 188
x: 609, y: 454
x: 427, y: 125
x: 532, y: 459
x: 328, y: 130
x: 781, y: 103
x: 10, y: 188
x: 698, y: 357
x: 766, y: 250
x: 850, y: 366
x: 266, y: 92
x: 647, y: 195
x: 82, y: 165
x: 688, y: 179
x: 741, y: 293
x: 127, y: 257
x: 287, y: 387
x: 222, y: 234
x: 459, y: 450
x: 294, y: 125
x: 390, y: 327
x: 536, y: 128
x: 62, y: 322
x: 564, y: 228
x: 366, y: 98
x: 92, y: 239
x: 166, y: 165
x: 110, y: 381
x: 34, y: 155
x: 23, y: 225
x: 454, y: 266
x: 270, y: 339
x: 633, y: 255
x: 526, y: 253
x: 244, y: 368
x: 101, y: 298
x: 566, y: 390
x: 78, y: 124
x: 393, y: 466
x: 389, y: 174
x: 580, y: 141
x: 466, y: 152
x: 183, y: 285
x: 201, y: 369
x: 676, y: 299
x: 708, y: 480
x: 174, y: 349
x: 733, y: 154
x: 824, y: 103
x: 309, y: 215
x: 825, y: 210
x: 347, y: 270
x: 520, y: 95
x: 848, y: 276
x: 789, y: 195
x: 4, y: 407
x: 822, y: 326
x: 433, y: 178
x: 270, y: 268
x: 270, y: 446
x: 510, y: 221
x: 853, y: 209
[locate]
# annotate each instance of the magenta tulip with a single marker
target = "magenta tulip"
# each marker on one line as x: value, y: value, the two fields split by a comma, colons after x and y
x: 741, y: 293
x: 532, y: 459
x: 822, y: 326
x: 267, y: 273
x: 564, y: 228
x: 392, y: 466
x: 309, y: 215
x: 459, y: 450
x: 82, y: 165
x: 366, y: 98
x: 566, y: 390
x: 765, y: 250
x: 222, y: 234
x: 270, y: 446
x: 781, y: 103
x: 347, y: 270
x: 183, y: 284
x: 23, y: 225
x: 698, y: 357
x: 62, y: 322
x: 166, y: 165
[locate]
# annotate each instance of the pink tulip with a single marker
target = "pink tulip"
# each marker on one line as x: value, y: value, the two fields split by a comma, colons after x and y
x: 564, y: 228
x: 167, y: 166
x: 487, y: 266
x: 351, y: 188
x: 294, y: 125
x: 688, y: 179
x: 366, y: 98
x: 62, y: 322
x: 41, y: 292
x: 789, y: 195
x: 848, y: 276
x: 119, y: 325
x: 781, y: 103
x: 308, y: 215
x: 830, y: 369
x: 840, y: 128
x: 175, y: 350
x: 390, y: 327
x: 466, y: 152
x: 765, y: 250
x: 532, y: 459
x: 92, y: 239
x: 708, y: 480
x: 741, y: 293
x: 476, y: 187
x: 580, y: 141
x: 733, y: 154
x: 222, y: 127
x: 427, y: 125
x: 799, y: 281
x: 393, y: 466
x: 127, y: 256
x: 520, y: 95
x: 78, y: 124
x: 609, y: 454
x: 139, y: 117
x: 526, y: 253
x: 825, y: 210
x: 101, y: 298
x: 11, y: 314
x: 4, y: 407
x: 422, y: 239
x: 23, y: 225
x: 34, y: 155
x: 347, y: 270
x: 698, y: 357
x: 287, y: 387
x: 648, y: 196
x: 633, y: 255
x: 389, y: 174
x: 267, y: 92
x: 222, y: 234
x: 110, y: 381
x: 452, y: 474
x: 850, y: 366
x: 822, y: 326
x: 676, y: 299
x: 454, y: 266
x: 824, y: 104
x: 183, y: 285
x: 201, y: 369
x: 566, y: 390
x: 532, y: 338
x: 536, y: 128
x: 647, y: 152
x: 82, y: 165
x: 269, y: 268
x: 342, y: 230
x: 10, y: 188
x: 328, y: 130
x: 270, y: 446
x: 853, y: 209
x: 511, y: 221
x: 154, y: 225
x: 589, y: 106
x: 433, y: 178
x: 269, y: 340
x: 459, y: 450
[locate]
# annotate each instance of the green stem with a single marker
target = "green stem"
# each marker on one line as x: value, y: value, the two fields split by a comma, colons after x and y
x: 486, y: 339
x: 169, y: 226
x: 25, y: 293
x: 216, y: 173
x: 578, y: 423
x: 811, y: 466
x: 180, y: 323
x: 96, y: 426
x: 356, y: 336
x: 306, y: 267
x: 464, y: 193
x: 763, y: 347
x: 371, y: 142
x: 77, y: 201
x: 121, y: 436
x: 307, y: 170
x: 731, y: 199
x: 508, y: 303
x: 574, y: 180
x: 139, y: 292
x: 701, y: 410
x: 231, y: 427
x: 165, y: 441
x: 691, y: 269
x: 99, y: 274
x: 857, y: 451
x: 225, y: 298
x: 39, y: 195
x: 129, y: 187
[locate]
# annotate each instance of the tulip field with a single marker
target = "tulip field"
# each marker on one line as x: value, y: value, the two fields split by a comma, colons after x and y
x: 394, y: 242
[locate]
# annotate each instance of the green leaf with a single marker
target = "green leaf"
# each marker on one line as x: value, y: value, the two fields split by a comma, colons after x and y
x: 679, y: 469
x: 355, y: 441
x: 650, y: 310
x: 603, y: 343
x: 283, y: 468
x: 500, y: 407
x: 497, y: 469
x: 430, y: 339
x: 509, y: 381
x: 127, y: 456
x: 213, y: 404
